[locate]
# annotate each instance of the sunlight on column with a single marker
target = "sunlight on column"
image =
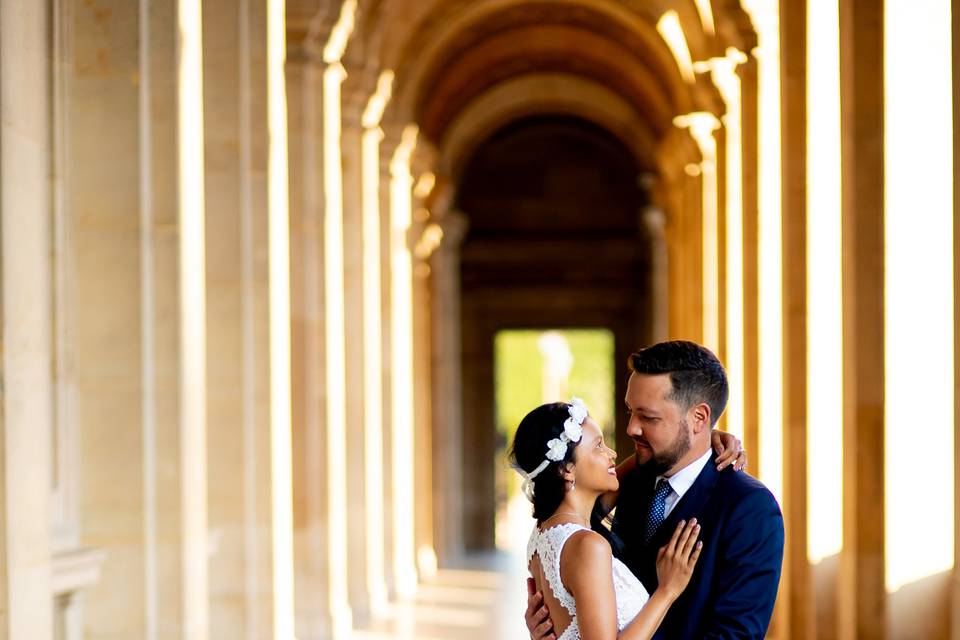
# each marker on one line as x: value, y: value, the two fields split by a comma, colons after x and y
x: 334, y: 321
x: 373, y: 343
x: 702, y: 125
x: 724, y: 74
x: 706, y: 16
x: 193, y: 319
x: 766, y: 19
x: 918, y: 290
x: 281, y: 465
x: 672, y: 33
x: 401, y: 186
x: 824, y: 292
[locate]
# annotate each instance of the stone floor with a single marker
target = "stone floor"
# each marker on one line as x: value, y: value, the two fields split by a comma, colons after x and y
x: 485, y: 600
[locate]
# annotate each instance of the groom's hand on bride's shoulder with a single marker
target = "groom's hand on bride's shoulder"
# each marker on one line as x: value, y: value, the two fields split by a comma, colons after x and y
x: 537, y: 616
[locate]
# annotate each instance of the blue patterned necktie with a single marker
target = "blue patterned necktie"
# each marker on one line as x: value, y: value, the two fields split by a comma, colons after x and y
x: 658, y: 508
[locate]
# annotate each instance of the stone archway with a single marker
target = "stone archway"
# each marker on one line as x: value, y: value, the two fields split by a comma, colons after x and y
x: 556, y: 238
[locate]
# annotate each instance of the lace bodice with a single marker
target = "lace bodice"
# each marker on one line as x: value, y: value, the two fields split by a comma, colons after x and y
x: 548, y: 544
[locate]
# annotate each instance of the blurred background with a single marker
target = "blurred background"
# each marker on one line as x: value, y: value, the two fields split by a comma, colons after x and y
x: 279, y: 278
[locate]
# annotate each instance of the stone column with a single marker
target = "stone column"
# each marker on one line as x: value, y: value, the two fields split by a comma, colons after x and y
x: 448, y: 387
x: 27, y: 423
x: 402, y: 366
x: 118, y: 212
x: 862, y: 580
x: 751, y: 356
x: 314, y: 590
x: 356, y: 89
x: 654, y: 222
x: 235, y: 95
x: 796, y: 590
x: 862, y: 604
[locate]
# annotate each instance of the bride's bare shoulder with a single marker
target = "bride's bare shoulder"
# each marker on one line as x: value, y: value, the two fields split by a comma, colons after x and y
x: 586, y: 559
x: 584, y: 548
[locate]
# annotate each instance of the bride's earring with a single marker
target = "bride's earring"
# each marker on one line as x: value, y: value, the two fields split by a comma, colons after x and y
x: 573, y: 484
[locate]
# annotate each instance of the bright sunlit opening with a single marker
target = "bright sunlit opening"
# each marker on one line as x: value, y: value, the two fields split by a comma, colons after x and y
x: 918, y: 293
x: 531, y: 367
x: 824, y: 292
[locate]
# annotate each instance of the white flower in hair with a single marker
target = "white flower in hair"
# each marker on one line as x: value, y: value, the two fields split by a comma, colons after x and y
x: 577, y: 410
x: 572, y: 428
x: 556, y: 449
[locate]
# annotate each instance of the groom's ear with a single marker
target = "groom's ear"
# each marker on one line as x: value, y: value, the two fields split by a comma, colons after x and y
x: 701, y: 418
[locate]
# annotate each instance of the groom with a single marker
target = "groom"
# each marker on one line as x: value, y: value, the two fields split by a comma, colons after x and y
x: 676, y: 393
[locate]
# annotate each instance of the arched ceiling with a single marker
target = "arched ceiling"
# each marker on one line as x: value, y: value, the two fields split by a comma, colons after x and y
x: 454, y: 58
x: 450, y: 55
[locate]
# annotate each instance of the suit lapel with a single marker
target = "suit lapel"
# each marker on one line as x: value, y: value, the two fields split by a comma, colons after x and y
x: 690, y: 504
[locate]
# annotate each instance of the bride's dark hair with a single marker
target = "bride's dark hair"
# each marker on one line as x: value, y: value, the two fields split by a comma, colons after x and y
x: 530, y: 449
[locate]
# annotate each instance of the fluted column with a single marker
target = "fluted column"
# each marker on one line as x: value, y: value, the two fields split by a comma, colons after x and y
x: 25, y: 222
x: 236, y: 138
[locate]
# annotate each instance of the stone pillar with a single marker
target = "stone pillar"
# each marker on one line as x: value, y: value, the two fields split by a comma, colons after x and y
x: 954, y: 602
x: 862, y: 604
x: 654, y: 222
x: 27, y: 423
x: 448, y: 387
x: 402, y: 366
x: 235, y: 95
x: 118, y: 213
x: 796, y: 590
x: 751, y: 357
x: 314, y: 591
x: 356, y: 89
x: 335, y: 445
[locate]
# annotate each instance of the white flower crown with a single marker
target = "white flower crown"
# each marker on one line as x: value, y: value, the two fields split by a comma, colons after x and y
x: 557, y: 447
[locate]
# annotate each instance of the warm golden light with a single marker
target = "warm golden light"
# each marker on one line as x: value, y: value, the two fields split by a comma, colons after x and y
x: 403, y: 458
x: 918, y: 290
x: 672, y: 33
x: 335, y: 327
x: 702, y: 125
x: 281, y: 464
x: 706, y: 16
x: 766, y: 20
x: 373, y: 344
x: 193, y: 323
x: 724, y: 74
x: 824, y: 291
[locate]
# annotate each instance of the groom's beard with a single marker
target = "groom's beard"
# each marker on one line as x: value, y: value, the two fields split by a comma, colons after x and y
x: 663, y: 461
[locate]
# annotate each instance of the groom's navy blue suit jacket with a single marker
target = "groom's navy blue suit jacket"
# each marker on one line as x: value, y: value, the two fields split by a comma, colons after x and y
x: 734, y: 585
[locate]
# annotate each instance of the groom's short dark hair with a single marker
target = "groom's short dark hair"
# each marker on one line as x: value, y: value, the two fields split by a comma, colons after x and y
x: 695, y: 373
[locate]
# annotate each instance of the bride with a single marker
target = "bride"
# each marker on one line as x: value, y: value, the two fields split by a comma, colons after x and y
x: 570, y: 476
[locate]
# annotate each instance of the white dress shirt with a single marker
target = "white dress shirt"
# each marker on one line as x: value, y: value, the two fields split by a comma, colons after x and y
x: 682, y: 480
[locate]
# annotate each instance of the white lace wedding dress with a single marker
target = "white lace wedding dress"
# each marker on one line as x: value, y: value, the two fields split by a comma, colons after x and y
x: 547, y: 545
